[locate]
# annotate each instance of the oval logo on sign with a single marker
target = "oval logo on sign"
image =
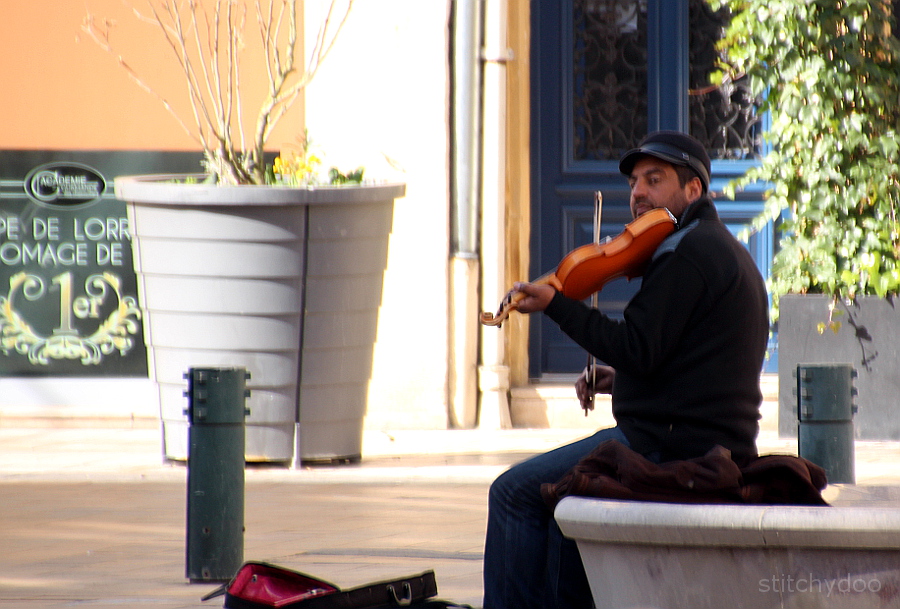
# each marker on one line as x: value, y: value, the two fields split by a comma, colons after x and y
x: 64, y: 185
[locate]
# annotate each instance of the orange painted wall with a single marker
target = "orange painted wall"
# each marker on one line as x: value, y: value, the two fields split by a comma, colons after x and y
x: 59, y: 90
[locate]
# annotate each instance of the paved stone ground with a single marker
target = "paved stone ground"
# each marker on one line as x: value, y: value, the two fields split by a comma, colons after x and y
x: 93, y: 518
x: 97, y: 544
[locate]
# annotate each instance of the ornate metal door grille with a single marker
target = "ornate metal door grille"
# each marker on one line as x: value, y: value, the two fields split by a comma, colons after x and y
x: 610, y: 83
x: 610, y: 77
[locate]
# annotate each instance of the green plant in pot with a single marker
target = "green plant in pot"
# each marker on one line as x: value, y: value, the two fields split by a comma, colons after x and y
x: 828, y: 72
x: 265, y: 266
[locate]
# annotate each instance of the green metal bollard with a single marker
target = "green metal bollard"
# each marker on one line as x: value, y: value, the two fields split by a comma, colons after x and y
x: 825, y: 412
x: 215, y: 479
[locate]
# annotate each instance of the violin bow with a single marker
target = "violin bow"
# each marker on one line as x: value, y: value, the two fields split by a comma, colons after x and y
x: 591, y: 360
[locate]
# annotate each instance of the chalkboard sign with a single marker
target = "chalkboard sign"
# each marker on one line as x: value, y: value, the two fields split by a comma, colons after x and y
x: 68, y: 293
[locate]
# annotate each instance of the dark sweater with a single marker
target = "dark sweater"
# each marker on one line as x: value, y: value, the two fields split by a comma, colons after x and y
x: 690, y: 349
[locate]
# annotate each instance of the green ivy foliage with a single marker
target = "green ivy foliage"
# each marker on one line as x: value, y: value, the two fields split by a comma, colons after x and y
x: 830, y: 74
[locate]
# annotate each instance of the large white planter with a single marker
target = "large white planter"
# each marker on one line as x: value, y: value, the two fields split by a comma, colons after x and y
x: 868, y: 338
x: 285, y: 282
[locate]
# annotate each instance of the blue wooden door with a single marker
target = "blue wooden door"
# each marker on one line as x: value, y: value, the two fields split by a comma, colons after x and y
x: 604, y: 73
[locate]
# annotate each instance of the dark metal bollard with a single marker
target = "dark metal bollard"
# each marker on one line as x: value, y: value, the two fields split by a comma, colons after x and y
x: 825, y: 412
x: 215, y: 480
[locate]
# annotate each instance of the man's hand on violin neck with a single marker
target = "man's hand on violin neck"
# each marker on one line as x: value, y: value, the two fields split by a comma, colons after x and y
x: 537, y: 296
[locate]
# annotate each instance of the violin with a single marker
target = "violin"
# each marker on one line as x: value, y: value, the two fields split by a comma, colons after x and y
x: 586, y: 269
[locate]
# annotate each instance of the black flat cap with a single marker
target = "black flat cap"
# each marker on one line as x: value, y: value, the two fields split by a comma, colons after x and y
x: 673, y: 147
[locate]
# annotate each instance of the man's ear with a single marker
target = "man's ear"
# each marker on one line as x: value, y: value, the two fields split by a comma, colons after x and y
x: 694, y: 189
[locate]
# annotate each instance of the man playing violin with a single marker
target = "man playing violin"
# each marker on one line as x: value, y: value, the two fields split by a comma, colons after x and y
x: 682, y: 367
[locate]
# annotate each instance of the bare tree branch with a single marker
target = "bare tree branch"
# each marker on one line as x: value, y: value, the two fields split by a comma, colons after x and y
x: 211, y: 68
x: 102, y: 37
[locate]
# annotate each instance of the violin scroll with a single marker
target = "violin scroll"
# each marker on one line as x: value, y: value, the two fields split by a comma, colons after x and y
x: 511, y: 300
x: 490, y: 319
x: 507, y: 306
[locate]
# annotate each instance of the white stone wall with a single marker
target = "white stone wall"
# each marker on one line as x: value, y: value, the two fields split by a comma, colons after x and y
x: 381, y: 101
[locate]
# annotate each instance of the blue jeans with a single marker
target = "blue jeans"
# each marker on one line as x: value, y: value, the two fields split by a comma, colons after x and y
x: 527, y: 561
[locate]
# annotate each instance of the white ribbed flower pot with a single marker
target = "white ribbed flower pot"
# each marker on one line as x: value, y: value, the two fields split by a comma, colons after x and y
x: 285, y: 282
